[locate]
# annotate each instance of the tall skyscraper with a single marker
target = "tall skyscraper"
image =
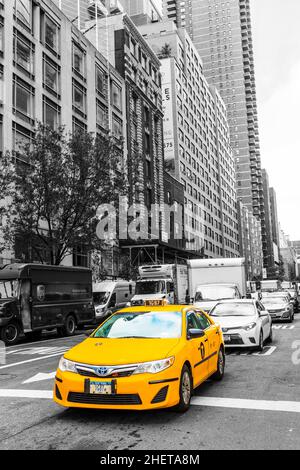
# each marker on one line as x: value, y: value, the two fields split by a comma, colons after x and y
x: 274, y: 216
x: 221, y: 32
x: 197, y: 143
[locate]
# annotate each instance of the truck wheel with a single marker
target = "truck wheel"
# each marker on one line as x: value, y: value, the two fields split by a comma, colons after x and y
x: 69, y: 327
x: 10, y: 334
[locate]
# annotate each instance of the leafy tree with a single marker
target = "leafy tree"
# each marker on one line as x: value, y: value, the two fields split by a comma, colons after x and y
x: 56, y: 193
x: 165, y: 52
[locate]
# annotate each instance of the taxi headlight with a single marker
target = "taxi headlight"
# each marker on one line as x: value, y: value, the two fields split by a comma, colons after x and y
x: 249, y: 327
x: 67, y: 366
x: 154, y: 367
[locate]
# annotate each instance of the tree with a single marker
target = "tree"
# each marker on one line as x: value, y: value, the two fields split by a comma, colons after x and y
x: 165, y: 52
x: 6, y: 181
x: 56, y: 193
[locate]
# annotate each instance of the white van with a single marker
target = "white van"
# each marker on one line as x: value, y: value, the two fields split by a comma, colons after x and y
x: 109, y: 294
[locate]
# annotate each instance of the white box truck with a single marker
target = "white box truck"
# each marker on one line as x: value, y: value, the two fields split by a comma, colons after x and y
x: 162, y: 283
x: 270, y: 286
x: 211, y: 280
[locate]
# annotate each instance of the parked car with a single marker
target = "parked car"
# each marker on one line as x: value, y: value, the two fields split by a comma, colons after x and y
x: 245, y: 323
x: 280, y: 307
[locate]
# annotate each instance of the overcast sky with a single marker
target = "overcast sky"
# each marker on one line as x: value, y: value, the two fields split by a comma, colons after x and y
x: 276, y: 35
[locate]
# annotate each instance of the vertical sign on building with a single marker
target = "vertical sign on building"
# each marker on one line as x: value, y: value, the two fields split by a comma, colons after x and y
x: 169, y: 143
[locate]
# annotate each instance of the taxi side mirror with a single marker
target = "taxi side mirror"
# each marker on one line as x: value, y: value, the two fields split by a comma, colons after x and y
x: 195, y: 333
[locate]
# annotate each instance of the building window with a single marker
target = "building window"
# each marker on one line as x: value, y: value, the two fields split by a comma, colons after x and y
x: 23, y: 53
x: 23, y: 12
x: 100, y: 81
x: 51, y: 75
x: 101, y: 115
x: 1, y: 36
x: 78, y: 126
x: 1, y: 85
x: 78, y: 60
x: 116, y: 96
x: 21, y: 138
x: 51, y: 113
x: 79, y: 98
x: 23, y: 96
x: 117, y: 127
x: 51, y: 34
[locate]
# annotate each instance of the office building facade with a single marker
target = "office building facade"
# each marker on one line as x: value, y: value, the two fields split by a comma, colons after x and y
x: 51, y: 73
x: 221, y: 32
x: 250, y: 243
x: 197, y: 143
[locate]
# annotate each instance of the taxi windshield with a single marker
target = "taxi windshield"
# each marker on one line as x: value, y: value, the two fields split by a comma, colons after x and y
x: 8, y: 289
x: 149, y: 325
x: 233, y: 310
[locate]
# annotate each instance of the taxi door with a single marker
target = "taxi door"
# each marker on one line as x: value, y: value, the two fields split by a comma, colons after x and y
x: 198, y: 351
x: 214, y: 340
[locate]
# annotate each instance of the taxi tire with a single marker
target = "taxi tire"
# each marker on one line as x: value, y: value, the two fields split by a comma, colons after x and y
x: 13, y: 339
x: 219, y: 375
x: 184, y: 406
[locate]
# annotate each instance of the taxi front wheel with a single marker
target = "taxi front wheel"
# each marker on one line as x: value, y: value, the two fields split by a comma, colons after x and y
x: 185, y: 390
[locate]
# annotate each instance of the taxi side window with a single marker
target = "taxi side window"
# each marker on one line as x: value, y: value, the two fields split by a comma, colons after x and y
x: 203, y: 320
x: 192, y: 323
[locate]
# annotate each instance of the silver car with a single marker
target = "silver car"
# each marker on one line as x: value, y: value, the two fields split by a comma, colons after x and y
x: 279, y: 307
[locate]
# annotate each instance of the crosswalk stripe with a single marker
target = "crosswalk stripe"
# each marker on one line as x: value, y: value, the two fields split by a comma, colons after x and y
x: 263, y: 405
x: 234, y: 403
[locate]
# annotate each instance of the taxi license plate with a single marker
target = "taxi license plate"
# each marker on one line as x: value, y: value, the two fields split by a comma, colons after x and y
x: 101, y: 388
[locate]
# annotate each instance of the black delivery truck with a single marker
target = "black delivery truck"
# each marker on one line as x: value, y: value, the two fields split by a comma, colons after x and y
x: 34, y: 297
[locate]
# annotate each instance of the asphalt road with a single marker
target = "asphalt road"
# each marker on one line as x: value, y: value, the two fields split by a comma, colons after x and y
x: 257, y: 406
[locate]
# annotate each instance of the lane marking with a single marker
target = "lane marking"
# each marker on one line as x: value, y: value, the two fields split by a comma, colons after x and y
x: 234, y: 403
x: 263, y: 405
x: 25, y: 345
x: 268, y: 350
x: 29, y: 360
x: 40, y: 351
x: 43, y: 394
x: 283, y: 327
x: 40, y: 377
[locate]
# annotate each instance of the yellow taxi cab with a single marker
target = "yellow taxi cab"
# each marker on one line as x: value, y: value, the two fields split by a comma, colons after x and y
x: 142, y: 358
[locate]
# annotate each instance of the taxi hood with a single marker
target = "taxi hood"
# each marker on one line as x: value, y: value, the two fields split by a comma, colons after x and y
x: 104, y: 351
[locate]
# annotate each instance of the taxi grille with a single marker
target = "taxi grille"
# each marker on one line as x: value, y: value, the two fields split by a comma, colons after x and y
x: 90, y: 399
x: 89, y: 373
